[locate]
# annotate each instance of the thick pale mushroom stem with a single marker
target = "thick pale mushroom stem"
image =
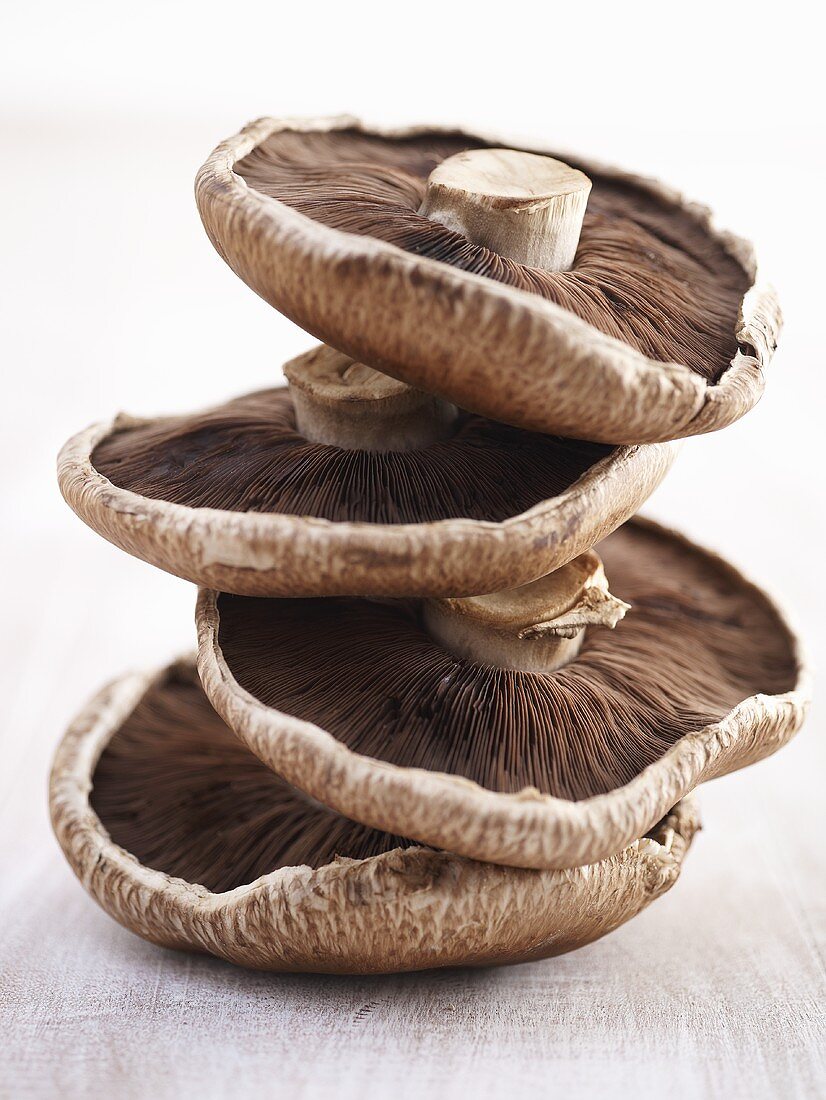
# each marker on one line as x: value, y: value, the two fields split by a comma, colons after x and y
x: 526, y: 207
x: 536, y: 628
x: 347, y: 404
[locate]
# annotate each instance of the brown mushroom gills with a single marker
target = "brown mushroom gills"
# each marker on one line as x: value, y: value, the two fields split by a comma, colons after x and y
x: 177, y: 790
x: 691, y: 648
x: 645, y: 273
x: 248, y: 456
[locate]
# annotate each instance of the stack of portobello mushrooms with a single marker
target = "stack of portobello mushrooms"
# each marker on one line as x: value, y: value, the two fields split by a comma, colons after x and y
x: 450, y: 699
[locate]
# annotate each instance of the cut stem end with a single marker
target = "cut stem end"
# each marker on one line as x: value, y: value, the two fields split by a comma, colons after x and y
x: 346, y: 404
x: 525, y: 207
x: 538, y: 627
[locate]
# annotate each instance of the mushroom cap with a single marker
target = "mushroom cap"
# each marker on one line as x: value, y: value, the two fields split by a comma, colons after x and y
x: 275, y: 554
x: 484, y: 345
x: 405, y: 909
x: 618, y: 684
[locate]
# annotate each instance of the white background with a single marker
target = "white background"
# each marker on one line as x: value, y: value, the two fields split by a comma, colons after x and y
x: 112, y: 298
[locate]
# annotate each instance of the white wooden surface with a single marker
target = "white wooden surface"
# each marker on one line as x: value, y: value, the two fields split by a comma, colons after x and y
x: 112, y: 297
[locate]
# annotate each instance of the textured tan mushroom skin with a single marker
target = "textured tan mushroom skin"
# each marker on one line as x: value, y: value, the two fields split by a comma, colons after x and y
x: 486, y: 347
x: 256, y: 554
x: 527, y: 829
x: 406, y: 910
